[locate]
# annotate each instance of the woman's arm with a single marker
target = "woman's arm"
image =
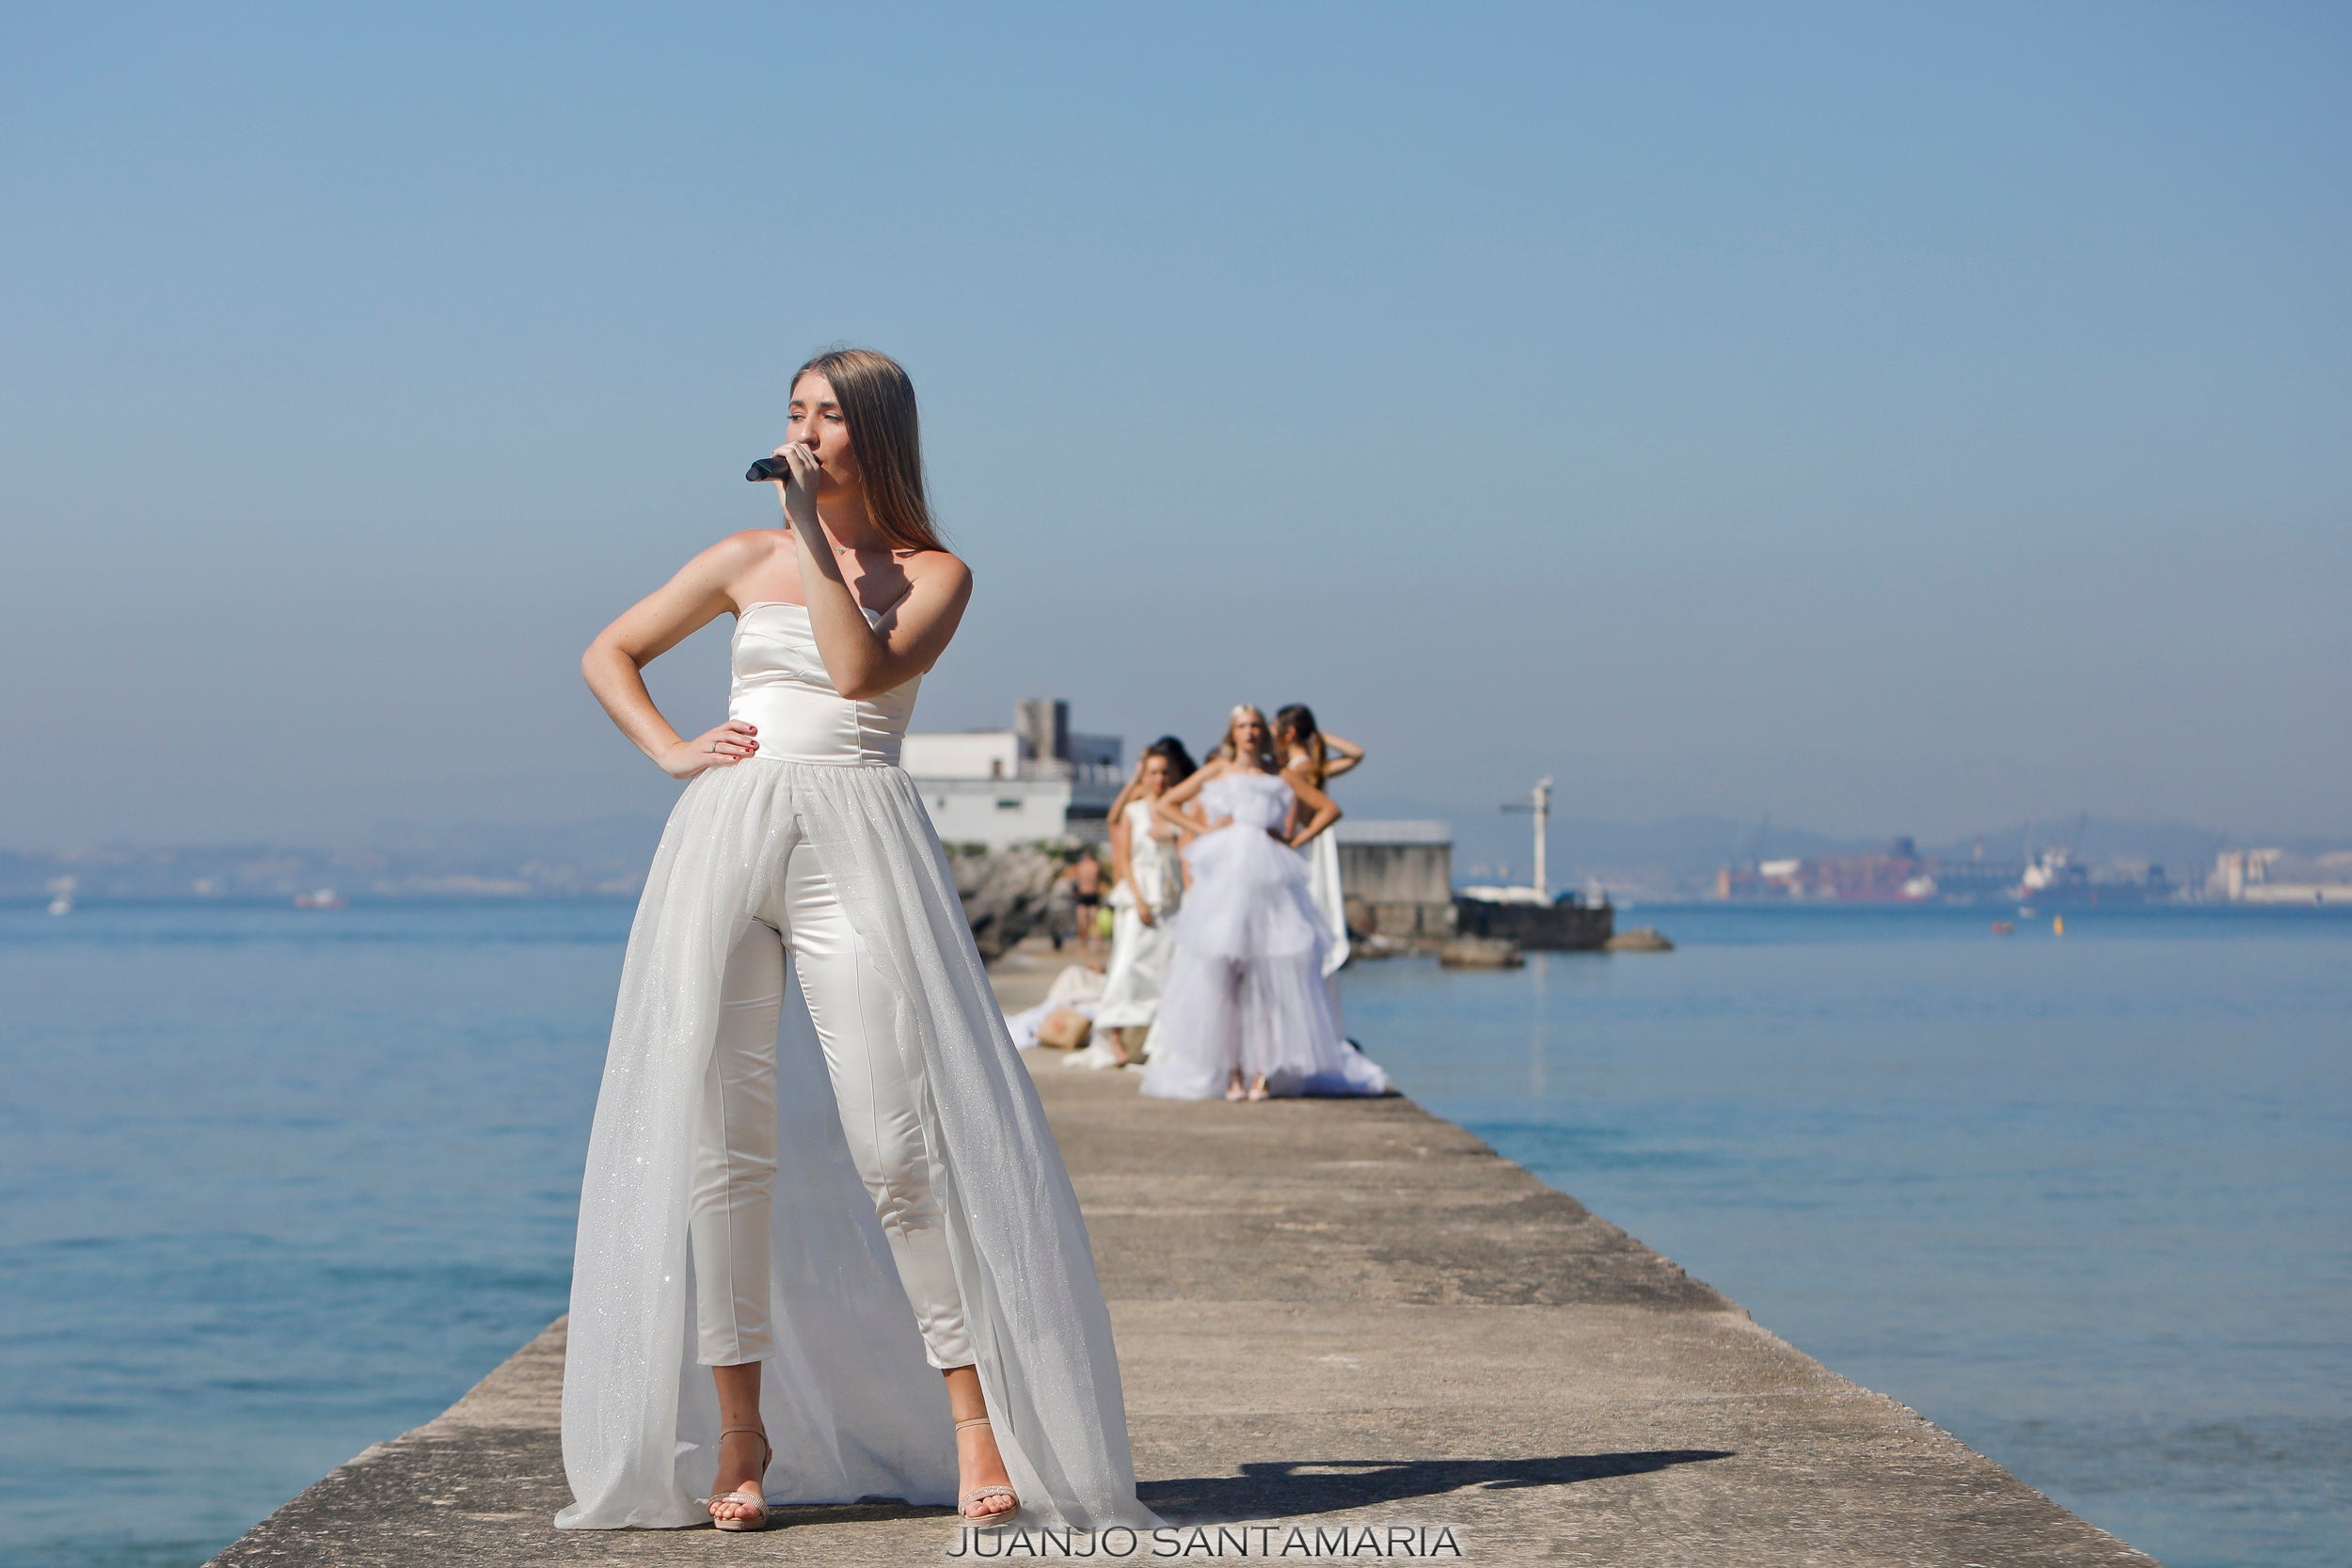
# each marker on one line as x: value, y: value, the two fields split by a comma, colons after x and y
x: 862, y: 661
x: 1190, y: 823
x: 652, y: 626
x: 1339, y: 755
x: 1169, y: 803
x: 1120, y: 833
x: 1122, y: 867
x: 1303, y: 798
x: 1326, y: 812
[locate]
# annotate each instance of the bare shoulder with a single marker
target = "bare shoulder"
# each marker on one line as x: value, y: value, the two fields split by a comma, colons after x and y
x: 748, y: 550
x: 942, y: 569
x: 720, y: 567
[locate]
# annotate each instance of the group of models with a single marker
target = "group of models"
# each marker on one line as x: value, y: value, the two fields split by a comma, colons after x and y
x: 812, y: 1118
x: 1227, y: 923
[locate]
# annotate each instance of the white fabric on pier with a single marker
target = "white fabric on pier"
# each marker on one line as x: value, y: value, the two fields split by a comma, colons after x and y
x: 1322, y: 855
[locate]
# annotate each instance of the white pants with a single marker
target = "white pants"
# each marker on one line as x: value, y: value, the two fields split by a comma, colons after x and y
x: 735, y: 1159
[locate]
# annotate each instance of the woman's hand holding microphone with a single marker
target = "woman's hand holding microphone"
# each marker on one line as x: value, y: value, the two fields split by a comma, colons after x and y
x: 798, y: 493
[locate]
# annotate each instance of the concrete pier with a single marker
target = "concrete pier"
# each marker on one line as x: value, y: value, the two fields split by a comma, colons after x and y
x: 1330, y: 1315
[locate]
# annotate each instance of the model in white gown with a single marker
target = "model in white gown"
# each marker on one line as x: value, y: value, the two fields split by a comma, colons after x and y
x: 1139, y: 951
x: 832, y: 1181
x: 1246, y: 993
x: 852, y: 1404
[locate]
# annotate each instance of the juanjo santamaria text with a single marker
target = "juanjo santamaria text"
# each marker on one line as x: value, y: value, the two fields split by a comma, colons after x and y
x: 1215, y: 1540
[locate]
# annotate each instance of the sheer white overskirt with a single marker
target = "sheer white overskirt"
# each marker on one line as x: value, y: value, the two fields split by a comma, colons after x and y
x: 849, y: 1402
x: 1322, y: 855
x: 1247, y: 988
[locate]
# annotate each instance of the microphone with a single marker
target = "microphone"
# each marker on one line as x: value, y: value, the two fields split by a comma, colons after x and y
x: 768, y: 469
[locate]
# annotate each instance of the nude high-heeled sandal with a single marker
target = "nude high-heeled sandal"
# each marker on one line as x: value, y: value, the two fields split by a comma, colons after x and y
x: 966, y: 1500
x: 754, y: 1495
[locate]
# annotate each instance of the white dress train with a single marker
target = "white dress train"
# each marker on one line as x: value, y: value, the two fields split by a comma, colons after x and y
x: 1322, y: 855
x: 1246, y: 990
x: 850, y: 1398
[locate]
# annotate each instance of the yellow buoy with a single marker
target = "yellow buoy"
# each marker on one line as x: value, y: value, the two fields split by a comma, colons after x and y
x: 2057, y: 925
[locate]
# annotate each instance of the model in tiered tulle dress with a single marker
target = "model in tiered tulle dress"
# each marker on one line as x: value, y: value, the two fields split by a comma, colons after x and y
x: 879, y: 1201
x: 1245, y: 1011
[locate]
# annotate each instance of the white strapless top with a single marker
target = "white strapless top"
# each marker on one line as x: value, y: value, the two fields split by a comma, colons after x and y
x: 1260, y: 800
x: 1152, y: 860
x: 781, y: 690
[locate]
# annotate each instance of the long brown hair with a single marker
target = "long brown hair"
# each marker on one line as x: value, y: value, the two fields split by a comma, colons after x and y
x: 877, y: 400
x: 1298, y: 721
x: 1168, y: 748
x: 1179, y: 763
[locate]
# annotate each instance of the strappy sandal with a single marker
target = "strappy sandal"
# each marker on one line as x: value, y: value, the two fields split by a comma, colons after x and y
x: 754, y: 1495
x: 966, y: 1500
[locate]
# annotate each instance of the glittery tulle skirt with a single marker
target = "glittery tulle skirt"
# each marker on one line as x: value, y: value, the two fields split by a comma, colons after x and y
x: 850, y: 1401
x: 1246, y: 993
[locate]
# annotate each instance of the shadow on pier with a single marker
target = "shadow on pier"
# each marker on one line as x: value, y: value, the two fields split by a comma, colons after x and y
x: 1291, y: 1488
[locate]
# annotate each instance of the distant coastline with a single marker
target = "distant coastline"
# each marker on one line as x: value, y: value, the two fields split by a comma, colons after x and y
x: 605, y: 858
x: 1675, y: 861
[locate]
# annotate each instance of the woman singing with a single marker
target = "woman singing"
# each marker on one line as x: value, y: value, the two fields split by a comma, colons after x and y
x: 756, y: 1205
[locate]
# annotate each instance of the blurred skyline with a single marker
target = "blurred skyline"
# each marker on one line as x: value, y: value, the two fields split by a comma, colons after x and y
x: 1896, y: 421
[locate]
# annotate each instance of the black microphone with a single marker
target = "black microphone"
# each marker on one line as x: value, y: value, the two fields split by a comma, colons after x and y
x: 768, y: 469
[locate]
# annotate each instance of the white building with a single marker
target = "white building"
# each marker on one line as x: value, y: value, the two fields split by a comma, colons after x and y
x: 2276, y: 876
x: 1002, y: 787
x: 1397, y: 878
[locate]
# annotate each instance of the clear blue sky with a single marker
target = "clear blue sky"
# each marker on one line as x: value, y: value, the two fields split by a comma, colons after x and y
x: 1893, y: 417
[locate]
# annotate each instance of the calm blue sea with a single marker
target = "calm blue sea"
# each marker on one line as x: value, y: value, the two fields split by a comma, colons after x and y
x: 276, y: 1184
x: 2083, y: 1200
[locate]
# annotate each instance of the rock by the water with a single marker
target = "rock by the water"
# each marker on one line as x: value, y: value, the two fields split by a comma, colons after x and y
x: 1006, y: 894
x: 1481, y: 953
x: 1642, y: 938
